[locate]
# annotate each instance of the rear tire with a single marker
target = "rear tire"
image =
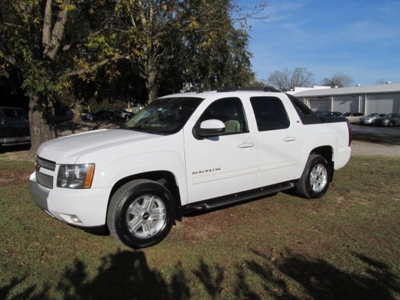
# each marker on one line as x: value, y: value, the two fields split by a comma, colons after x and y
x: 314, y: 181
x: 141, y: 213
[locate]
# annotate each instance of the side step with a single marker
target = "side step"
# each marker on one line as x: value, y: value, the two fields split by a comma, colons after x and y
x: 237, y: 197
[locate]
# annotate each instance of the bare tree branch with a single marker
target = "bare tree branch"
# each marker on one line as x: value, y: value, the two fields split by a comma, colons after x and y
x: 58, y: 31
x: 10, y: 59
x: 91, y: 68
x: 46, y: 31
x: 338, y: 79
x: 286, y: 79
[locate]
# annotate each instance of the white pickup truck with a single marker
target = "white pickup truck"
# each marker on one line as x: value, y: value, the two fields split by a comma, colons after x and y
x: 187, y: 152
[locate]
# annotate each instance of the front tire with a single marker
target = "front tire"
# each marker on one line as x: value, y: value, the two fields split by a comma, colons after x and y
x: 314, y: 181
x: 141, y: 213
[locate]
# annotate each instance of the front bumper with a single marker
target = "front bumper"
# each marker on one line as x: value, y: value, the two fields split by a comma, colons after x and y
x: 82, y: 208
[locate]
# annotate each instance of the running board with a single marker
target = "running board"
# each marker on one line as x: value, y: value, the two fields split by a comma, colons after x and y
x: 237, y: 197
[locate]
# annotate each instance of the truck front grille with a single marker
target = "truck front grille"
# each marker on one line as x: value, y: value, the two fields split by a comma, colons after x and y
x: 44, y: 163
x: 44, y: 179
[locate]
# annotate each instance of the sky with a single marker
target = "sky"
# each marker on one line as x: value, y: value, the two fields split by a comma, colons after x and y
x: 358, y: 38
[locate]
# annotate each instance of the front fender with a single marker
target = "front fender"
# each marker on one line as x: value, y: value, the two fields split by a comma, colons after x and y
x: 126, y: 166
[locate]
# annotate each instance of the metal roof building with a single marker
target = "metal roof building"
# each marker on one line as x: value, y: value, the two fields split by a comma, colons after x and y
x: 383, y: 98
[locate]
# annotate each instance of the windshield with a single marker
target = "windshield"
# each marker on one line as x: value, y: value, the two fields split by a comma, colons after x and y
x: 346, y: 114
x: 371, y: 115
x: 164, y: 116
x: 391, y: 116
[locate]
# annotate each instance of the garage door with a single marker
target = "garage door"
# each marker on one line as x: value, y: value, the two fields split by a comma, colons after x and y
x: 345, y: 104
x: 320, y: 104
x: 383, y: 103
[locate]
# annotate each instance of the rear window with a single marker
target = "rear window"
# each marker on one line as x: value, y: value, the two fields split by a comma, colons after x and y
x: 307, y: 116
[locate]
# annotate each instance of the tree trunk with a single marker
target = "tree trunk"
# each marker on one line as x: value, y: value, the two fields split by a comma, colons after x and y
x: 77, y: 111
x: 42, y: 129
x: 151, y: 85
x: 151, y: 77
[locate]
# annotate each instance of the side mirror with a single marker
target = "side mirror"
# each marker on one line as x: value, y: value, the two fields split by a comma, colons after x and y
x: 210, y: 128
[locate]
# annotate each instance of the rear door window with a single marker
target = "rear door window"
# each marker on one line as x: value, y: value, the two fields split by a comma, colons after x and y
x: 270, y: 113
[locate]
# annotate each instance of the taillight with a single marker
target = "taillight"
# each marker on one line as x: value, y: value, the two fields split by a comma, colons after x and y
x: 350, y: 132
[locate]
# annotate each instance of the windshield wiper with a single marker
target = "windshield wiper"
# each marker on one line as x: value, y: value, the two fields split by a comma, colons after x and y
x: 143, y: 129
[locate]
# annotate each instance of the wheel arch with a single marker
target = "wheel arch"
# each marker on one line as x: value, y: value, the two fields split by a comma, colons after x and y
x: 315, y: 180
x: 166, y: 178
x: 327, y: 152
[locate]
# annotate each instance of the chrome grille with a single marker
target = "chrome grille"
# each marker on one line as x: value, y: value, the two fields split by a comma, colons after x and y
x: 47, y: 164
x: 44, y: 179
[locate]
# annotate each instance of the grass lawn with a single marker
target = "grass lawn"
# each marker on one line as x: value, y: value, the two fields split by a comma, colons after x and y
x: 343, y: 246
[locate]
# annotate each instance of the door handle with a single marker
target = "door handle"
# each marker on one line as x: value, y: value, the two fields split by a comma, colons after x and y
x: 289, y: 139
x: 246, y: 145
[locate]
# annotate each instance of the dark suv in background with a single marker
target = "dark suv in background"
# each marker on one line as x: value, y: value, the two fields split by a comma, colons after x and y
x: 14, y: 126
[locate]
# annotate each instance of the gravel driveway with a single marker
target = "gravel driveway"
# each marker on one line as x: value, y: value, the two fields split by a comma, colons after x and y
x: 361, y: 148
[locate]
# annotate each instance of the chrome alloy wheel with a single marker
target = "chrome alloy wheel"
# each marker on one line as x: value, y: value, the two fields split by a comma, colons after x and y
x: 146, y: 216
x: 318, y: 178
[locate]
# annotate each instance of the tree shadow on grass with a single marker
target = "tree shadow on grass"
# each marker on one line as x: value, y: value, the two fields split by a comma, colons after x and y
x: 126, y: 275
x: 321, y: 280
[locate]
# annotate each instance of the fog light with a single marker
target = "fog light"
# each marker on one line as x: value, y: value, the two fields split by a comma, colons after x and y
x: 75, y: 219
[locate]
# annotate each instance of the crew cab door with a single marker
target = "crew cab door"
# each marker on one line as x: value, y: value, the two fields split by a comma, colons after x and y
x: 222, y: 164
x: 278, y: 145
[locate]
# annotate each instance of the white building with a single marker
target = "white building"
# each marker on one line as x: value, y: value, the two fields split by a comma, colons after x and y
x: 383, y: 98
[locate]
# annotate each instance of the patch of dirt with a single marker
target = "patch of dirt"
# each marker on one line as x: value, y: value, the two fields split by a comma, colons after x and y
x: 202, y: 227
x: 19, y: 153
x: 14, y: 177
x: 13, y: 180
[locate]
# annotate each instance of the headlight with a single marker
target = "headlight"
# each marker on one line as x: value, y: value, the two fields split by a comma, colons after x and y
x: 75, y: 176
